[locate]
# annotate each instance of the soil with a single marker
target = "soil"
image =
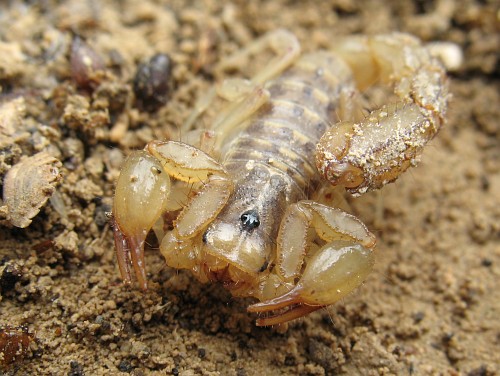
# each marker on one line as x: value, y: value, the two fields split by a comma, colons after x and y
x: 432, y: 306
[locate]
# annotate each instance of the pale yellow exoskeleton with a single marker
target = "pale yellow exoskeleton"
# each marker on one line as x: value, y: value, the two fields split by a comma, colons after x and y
x: 253, y: 223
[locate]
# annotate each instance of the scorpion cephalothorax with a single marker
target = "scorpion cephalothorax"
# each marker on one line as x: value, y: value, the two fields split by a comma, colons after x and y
x: 253, y: 224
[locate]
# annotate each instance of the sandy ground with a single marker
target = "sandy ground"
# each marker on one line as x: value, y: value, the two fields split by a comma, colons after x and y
x: 432, y: 307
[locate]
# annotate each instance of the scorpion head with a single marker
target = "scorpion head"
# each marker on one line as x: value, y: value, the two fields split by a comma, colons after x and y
x: 239, y: 243
x: 231, y: 243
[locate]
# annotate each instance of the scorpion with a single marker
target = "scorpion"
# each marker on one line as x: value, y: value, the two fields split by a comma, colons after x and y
x: 254, y: 219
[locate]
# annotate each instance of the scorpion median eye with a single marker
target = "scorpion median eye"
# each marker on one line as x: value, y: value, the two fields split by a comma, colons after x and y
x: 155, y: 170
x: 250, y: 220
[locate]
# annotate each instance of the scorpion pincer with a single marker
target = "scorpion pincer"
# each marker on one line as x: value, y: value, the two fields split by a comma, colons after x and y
x: 253, y: 223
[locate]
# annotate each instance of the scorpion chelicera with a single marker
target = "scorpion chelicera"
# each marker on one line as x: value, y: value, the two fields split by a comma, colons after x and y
x: 252, y: 219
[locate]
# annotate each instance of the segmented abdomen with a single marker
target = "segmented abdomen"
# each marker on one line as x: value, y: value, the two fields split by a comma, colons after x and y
x: 283, y: 134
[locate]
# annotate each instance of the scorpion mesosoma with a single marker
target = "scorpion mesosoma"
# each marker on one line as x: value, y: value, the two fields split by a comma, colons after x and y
x: 253, y: 223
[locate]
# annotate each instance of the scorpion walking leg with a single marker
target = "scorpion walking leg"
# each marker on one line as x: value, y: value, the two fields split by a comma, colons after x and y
x: 142, y: 193
x: 240, y: 111
x: 331, y: 272
x: 252, y: 93
x: 286, y: 49
x: 246, y: 98
x: 283, y: 43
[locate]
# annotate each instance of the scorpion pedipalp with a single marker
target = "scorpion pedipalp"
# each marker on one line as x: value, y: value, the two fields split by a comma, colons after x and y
x: 140, y: 198
x: 330, y: 274
x: 142, y: 193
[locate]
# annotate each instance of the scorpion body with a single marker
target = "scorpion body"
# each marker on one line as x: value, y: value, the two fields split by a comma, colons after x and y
x: 252, y: 224
x: 271, y: 161
x: 284, y: 134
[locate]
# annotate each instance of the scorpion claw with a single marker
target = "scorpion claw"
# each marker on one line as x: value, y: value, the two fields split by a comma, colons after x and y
x: 141, y: 196
x: 288, y: 315
x: 331, y: 274
x: 137, y: 257
x: 122, y: 253
x: 290, y: 305
x: 130, y: 251
x: 290, y: 298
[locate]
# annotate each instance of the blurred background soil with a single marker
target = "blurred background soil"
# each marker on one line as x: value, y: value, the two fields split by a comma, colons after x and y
x: 432, y: 307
